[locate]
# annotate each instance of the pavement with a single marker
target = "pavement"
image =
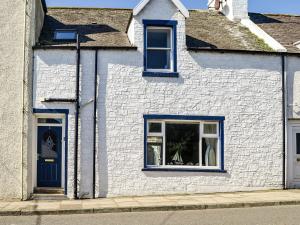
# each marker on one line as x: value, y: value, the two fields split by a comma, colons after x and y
x: 274, y: 215
x: 152, y: 203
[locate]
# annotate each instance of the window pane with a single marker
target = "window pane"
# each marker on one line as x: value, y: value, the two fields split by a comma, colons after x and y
x: 182, y: 144
x: 158, y: 59
x: 210, y: 129
x: 45, y: 120
x: 209, y: 151
x: 154, y: 127
x: 65, y: 35
x: 159, y: 38
x: 154, y: 151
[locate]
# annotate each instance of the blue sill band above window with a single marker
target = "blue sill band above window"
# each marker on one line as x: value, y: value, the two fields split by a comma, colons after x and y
x: 155, y: 117
x: 161, y: 23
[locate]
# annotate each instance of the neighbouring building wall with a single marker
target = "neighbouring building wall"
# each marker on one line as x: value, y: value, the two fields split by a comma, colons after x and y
x: 15, y: 91
x: 12, y: 26
x: 293, y: 86
x: 38, y: 18
x: 34, y: 23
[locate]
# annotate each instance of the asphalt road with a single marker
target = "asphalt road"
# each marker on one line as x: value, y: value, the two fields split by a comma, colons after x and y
x: 284, y: 215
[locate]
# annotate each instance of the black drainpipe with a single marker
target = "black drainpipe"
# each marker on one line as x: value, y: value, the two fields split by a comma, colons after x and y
x: 76, y: 118
x: 95, y: 123
x: 283, y: 119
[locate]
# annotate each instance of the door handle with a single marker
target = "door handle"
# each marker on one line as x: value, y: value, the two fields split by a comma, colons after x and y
x: 298, y: 159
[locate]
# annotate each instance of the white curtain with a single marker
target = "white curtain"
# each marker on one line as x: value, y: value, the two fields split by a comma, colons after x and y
x: 210, y: 154
x: 154, y: 154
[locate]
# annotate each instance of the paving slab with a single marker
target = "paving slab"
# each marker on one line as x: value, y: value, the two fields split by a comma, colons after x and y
x: 152, y: 203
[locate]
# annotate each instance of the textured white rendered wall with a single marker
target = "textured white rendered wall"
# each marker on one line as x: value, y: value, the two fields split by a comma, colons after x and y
x: 293, y: 86
x: 234, y: 10
x: 55, y: 77
x: 246, y: 89
x: 86, y: 122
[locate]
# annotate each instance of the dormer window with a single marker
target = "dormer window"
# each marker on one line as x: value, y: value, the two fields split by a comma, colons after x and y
x: 160, y: 53
x: 159, y: 49
x: 65, y: 35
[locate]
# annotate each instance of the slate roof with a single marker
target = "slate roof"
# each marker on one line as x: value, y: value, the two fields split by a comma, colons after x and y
x: 97, y: 27
x: 107, y: 28
x: 212, y: 30
x: 284, y: 28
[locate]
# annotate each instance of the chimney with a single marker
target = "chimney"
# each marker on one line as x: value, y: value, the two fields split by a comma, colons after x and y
x: 234, y: 10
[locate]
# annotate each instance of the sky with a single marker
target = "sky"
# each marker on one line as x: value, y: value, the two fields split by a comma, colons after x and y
x: 261, y: 6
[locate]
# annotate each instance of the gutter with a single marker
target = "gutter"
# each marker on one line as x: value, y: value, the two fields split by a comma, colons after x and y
x: 76, y: 118
x: 95, y: 124
x: 191, y: 49
x: 239, y: 51
x: 69, y: 47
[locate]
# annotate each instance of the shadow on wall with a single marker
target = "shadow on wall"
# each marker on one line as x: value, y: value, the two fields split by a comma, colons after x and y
x: 235, y: 61
x: 102, y: 159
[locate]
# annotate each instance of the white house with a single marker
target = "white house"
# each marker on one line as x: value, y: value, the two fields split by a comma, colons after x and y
x: 165, y: 100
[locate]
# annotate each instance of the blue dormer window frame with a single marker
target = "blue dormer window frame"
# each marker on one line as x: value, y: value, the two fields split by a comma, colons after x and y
x: 161, y: 24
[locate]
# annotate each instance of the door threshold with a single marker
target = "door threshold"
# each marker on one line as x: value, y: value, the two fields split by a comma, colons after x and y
x: 49, y: 190
x: 49, y: 197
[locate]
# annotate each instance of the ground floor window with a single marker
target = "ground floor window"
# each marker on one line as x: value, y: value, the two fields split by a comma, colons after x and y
x: 183, y: 142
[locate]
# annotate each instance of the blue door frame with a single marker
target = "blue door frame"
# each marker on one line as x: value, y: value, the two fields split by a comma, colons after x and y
x: 66, y: 113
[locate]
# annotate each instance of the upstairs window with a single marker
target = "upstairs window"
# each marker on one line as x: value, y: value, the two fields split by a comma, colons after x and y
x: 65, y: 35
x: 159, y: 49
x: 160, y: 53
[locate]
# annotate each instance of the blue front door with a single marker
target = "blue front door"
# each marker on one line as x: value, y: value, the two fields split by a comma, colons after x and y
x: 49, y: 151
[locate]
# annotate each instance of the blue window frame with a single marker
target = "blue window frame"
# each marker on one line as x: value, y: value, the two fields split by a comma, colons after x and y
x: 160, y: 48
x: 184, y: 143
